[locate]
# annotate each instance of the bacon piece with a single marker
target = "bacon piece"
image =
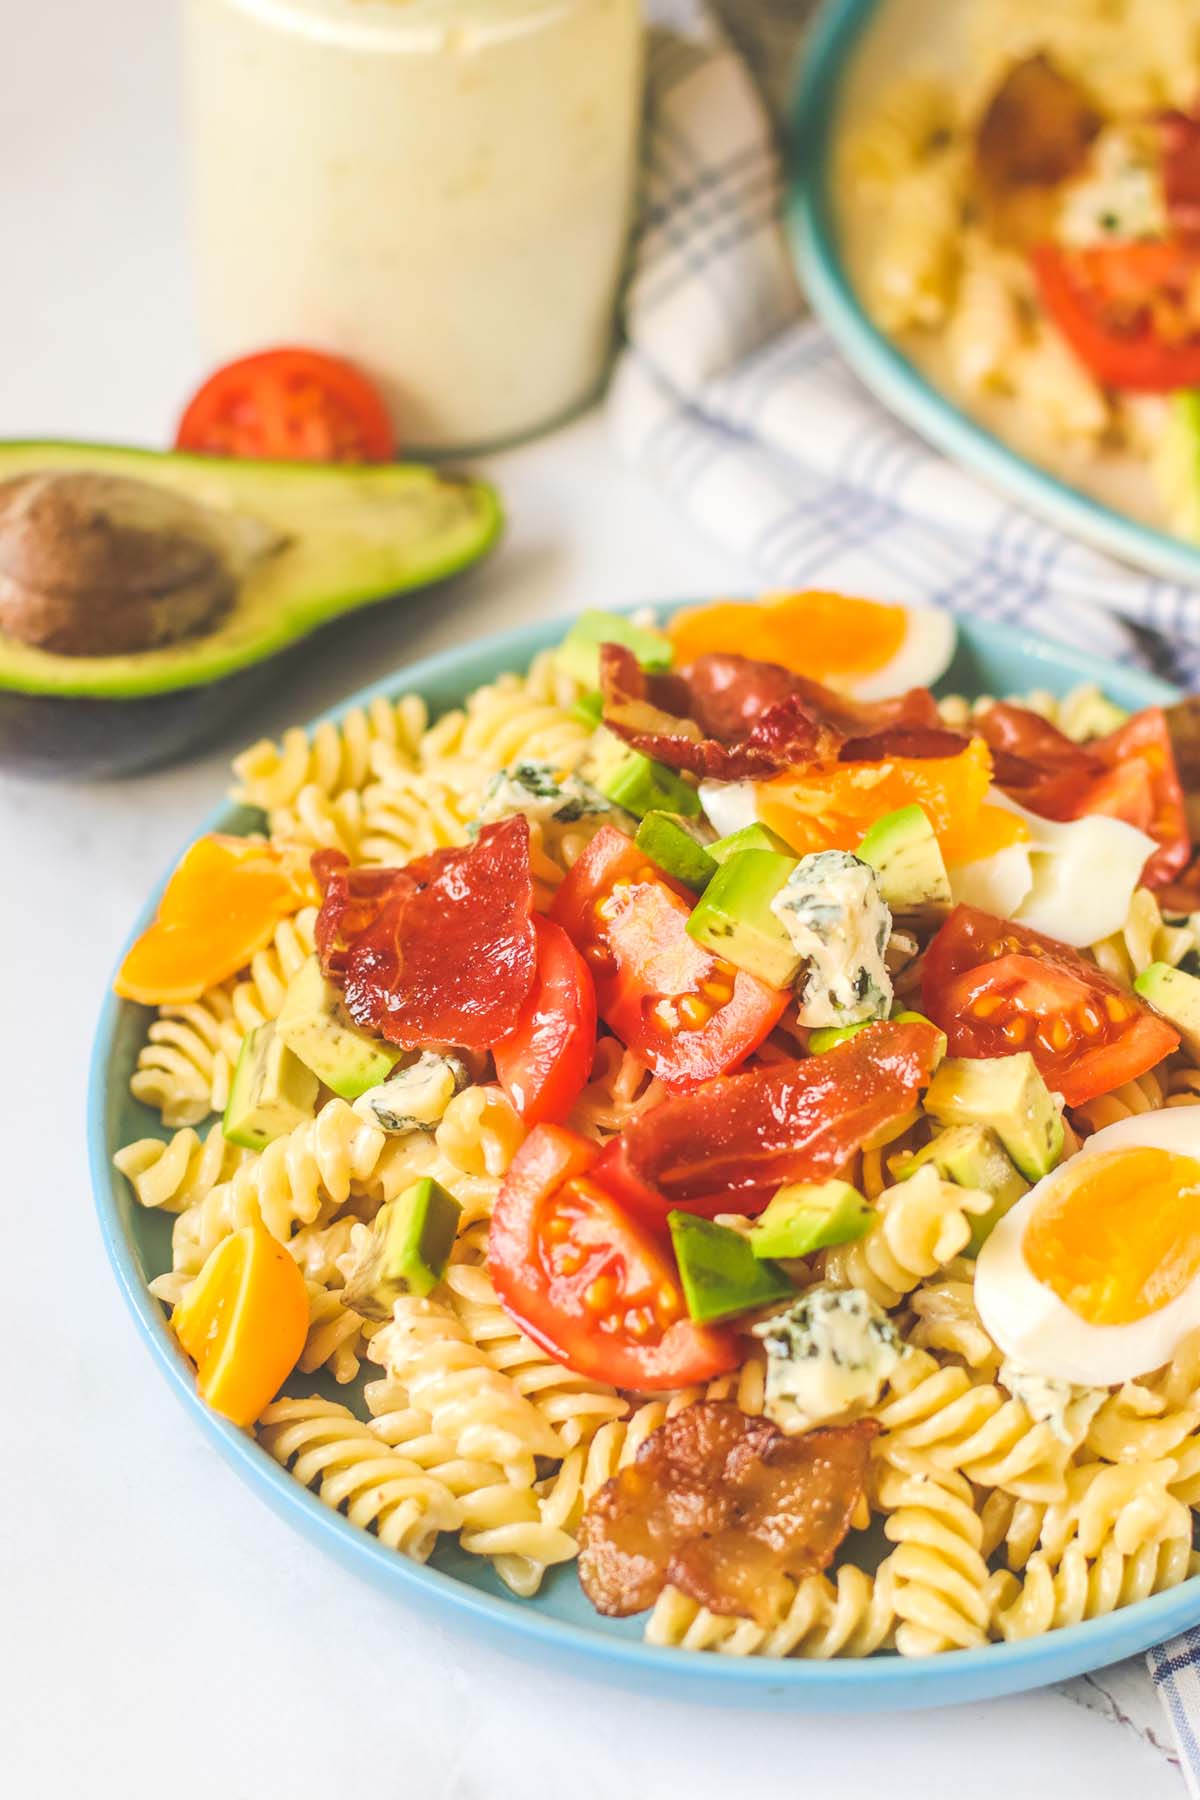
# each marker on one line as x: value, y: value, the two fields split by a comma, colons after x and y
x: 1181, y: 169
x: 918, y: 742
x: 725, y: 1507
x: 1035, y: 130
x: 732, y: 1144
x: 730, y: 718
x: 439, y: 952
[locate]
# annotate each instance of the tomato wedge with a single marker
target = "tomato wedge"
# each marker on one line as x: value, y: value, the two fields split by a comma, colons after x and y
x: 995, y: 987
x: 545, y: 1060
x: 730, y: 1147
x: 1131, y: 774
x: 288, y: 405
x: 1127, y: 310
x: 593, y: 1286
x: 686, y: 1013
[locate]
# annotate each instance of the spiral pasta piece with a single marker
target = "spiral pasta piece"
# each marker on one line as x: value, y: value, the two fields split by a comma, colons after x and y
x: 175, y: 1175
x: 920, y: 1225
x: 414, y: 813
x: 320, y: 820
x: 851, y: 1615
x: 620, y: 1089
x: 1083, y: 1587
x: 327, y: 1449
x: 937, y: 1567
x: 336, y: 1335
x: 1146, y: 1094
x: 946, y: 1320
x: 335, y: 758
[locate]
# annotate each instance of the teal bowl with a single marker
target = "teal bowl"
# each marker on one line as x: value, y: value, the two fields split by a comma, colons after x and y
x: 559, y: 1626
x: 835, y: 39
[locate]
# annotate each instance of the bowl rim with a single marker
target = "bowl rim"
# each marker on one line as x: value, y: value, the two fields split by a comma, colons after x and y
x: 882, y: 365
x: 880, y: 1683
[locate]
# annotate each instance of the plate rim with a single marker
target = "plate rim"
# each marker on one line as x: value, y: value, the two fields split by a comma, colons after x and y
x: 874, y: 1683
x: 882, y: 365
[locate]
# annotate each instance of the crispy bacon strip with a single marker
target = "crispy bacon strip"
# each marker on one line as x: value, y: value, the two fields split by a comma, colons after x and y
x: 1035, y: 130
x: 725, y: 1507
x: 730, y: 718
x: 439, y: 952
x: 1181, y: 170
x: 729, y: 1146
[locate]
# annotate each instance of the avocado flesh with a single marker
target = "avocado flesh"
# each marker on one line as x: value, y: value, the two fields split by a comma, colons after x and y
x: 271, y: 1092
x: 667, y: 841
x: 906, y: 856
x: 719, y: 1272
x: 1176, y: 995
x: 810, y: 1215
x: 355, y: 535
x: 971, y: 1156
x: 412, y: 1237
x: 733, y: 918
x: 642, y: 785
x: 1008, y: 1094
x: 316, y: 1027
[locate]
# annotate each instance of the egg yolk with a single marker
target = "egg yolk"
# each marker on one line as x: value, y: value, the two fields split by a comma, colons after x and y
x: 813, y: 633
x: 1118, y: 1237
x: 832, y: 808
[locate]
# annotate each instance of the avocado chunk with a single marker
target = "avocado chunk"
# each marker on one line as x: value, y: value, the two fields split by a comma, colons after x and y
x: 579, y: 652
x: 733, y: 917
x: 271, y: 1091
x: 1176, y: 995
x: 905, y: 854
x: 315, y: 1025
x: 719, y: 1272
x: 589, y: 708
x: 411, y: 1240
x: 1177, y: 462
x: 828, y: 1037
x: 667, y: 841
x: 971, y: 1156
x: 810, y: 1215
x: 1007, y: 1093
x: 750, y: 837
x: 641, y: 786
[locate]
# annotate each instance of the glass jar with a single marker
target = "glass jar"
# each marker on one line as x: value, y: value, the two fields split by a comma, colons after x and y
x: 439, y: 190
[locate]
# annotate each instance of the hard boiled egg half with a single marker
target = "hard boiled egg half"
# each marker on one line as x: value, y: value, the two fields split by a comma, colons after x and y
x: 866, y: 648
x: 1094, y: 1276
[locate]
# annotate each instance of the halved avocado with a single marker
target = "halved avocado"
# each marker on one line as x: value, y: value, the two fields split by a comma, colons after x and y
x: 151, y: 584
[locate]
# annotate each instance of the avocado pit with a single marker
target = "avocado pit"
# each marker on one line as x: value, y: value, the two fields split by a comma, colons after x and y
x: 93, y: 564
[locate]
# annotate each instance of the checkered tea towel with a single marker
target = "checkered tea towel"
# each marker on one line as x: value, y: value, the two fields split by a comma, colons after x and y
x: 734, y: 401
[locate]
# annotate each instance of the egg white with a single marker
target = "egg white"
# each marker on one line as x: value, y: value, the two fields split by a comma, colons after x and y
x: 1073, y: 881
x: 1028, y: 1320
x: 729, y: 806
x: 925, y: 653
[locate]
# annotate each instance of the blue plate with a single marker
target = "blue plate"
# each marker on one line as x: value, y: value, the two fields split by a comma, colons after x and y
x: 559, y: 1624
x: 829, y: 53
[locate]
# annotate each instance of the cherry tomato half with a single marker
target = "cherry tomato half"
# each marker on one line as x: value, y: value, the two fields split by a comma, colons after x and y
x: 288, y: 405
x: 545, y: 1060
x: 686, y: 1013
x: 995, y: 988
x: 1109, y: 302
x: 593, y: 1286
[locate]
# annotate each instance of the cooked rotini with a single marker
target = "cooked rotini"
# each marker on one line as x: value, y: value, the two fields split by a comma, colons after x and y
x: 919, y: 1225
x: 335, y: 759
x: 175, y: 1175
x: 938, y: 1574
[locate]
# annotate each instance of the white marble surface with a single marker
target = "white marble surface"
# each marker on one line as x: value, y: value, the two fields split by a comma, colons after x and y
x: 163, y: 1632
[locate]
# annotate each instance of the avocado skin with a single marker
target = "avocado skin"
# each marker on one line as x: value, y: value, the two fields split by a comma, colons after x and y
x: 48, y: 736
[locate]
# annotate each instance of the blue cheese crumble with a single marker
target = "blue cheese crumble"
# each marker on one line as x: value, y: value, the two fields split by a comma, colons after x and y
x: 828, y: 1355
x: 414, y: 1098
x: 543, y: 794
x: 1049, y: 1401
x: 836, y: 916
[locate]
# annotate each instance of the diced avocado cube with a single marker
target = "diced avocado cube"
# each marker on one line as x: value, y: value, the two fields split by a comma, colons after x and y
x: 668, y: 842
x: 971, y: 1156
x: 750, y: 837
x: 315, y: 1025
x: 719, y: 1272
x: 1176, y: 462
x: 733, y: 917
x: 411, y: 1240
x: 271, y: 1092
x: 1007, y: 1093
x: 908, y: 1017
x: 906, y: 856
x: 828, y: 1037
x: 1176, y: 995
x: 810, y: 1215
x: 589, y: 708
x: 641, y: 786
x: 579, y: 652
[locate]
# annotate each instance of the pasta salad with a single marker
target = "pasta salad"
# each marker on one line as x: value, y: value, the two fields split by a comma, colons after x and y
x: 1022, y: 206
x: 721, y: 1115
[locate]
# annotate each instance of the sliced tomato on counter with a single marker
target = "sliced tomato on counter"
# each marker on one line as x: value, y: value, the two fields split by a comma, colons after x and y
x: 546, y: 1059
x: 995, y: 988
x: 686, y: 1013
x: 592, y: 1285
x: 729, y: 1147
x: 1128, y: 310
x: 288, y: 405
x: 1131, y: 774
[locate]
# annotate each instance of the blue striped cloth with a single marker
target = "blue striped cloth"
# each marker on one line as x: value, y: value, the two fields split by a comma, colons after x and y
x: 735, y: 403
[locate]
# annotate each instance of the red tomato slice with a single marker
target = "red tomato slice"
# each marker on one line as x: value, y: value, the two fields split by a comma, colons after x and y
x: 1126, y: 310
x: 1130, y: 775
x: 995, y: 987
x: 729, y: 1147
x: 547, y: 1057
x: 594, y: 1287
x: 288, y: 406
x: 686, y: 1013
